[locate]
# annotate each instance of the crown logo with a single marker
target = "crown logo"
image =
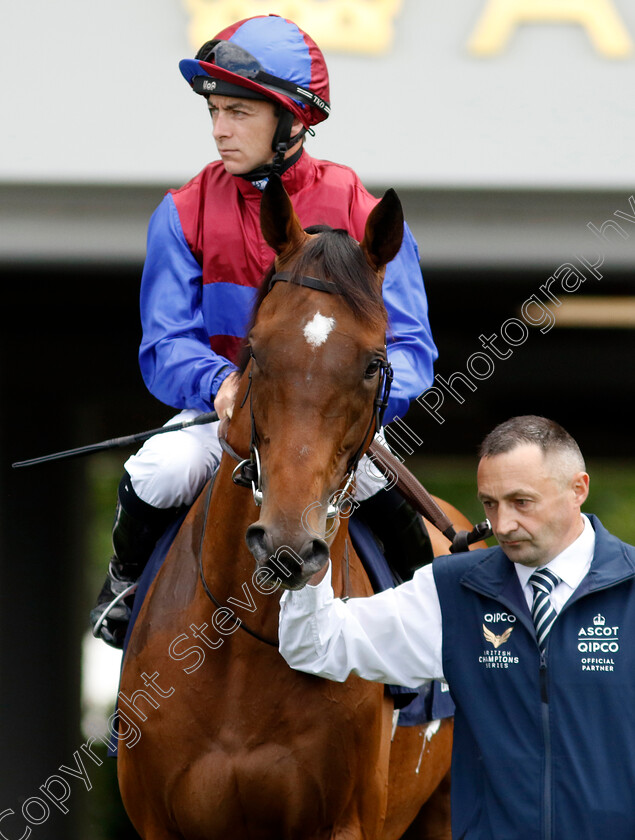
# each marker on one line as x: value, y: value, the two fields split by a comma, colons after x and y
x: 599, y: 620
x: 351, y: 26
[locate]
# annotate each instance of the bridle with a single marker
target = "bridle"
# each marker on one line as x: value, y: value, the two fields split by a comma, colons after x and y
x: 248, y: 471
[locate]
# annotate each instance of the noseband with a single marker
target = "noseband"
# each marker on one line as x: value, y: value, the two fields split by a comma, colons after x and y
x: 248, y: 472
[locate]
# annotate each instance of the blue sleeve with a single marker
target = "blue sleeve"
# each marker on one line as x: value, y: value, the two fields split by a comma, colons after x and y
x: 176, y: 360
x: 411, y: 348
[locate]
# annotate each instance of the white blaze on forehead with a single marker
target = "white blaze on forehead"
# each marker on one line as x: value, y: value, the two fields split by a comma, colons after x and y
x: 317, y: 330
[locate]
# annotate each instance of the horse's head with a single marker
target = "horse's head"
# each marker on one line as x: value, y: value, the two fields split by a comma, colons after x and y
x: 318, y: 364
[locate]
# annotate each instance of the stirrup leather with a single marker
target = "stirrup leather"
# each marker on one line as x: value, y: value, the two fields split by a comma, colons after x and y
x: 130, y: 589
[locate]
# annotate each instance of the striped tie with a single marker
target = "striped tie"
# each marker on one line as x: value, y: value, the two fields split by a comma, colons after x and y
x: 542, y: 610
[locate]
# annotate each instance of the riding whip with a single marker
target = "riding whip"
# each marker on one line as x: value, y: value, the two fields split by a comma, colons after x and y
x: 116, y: 443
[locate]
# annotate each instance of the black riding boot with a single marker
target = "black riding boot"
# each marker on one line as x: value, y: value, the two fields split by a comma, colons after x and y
x: 400, y: 530
x: 136, y: 529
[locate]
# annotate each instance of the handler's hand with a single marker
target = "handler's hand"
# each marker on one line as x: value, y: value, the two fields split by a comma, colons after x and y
x: 226, y: 396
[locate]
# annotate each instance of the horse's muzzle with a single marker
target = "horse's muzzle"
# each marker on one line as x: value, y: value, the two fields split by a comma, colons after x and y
x: 292, y: 567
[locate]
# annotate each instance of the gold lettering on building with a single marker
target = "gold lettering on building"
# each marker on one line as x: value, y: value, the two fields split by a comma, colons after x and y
x: 500, y: 19
x: 352, y: 26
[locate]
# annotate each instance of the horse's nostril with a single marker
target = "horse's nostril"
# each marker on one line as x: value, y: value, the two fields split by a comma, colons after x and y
x: 316, y: 553
x: 257, y: 542
x: 313, y: 556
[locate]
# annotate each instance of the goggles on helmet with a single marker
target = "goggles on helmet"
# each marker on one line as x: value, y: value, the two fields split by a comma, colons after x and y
x: 229, y: 56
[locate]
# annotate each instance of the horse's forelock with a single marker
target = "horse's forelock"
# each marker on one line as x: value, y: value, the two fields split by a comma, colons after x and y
x: 334, y: 256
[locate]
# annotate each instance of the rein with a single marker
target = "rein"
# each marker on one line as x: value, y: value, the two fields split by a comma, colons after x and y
x: 237, y: 621
x: 416, y: 494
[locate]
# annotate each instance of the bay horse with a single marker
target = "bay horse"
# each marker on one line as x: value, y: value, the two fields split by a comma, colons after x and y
x: 218, y: 737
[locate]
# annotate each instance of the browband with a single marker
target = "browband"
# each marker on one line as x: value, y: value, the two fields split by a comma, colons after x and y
x: 305, y: 280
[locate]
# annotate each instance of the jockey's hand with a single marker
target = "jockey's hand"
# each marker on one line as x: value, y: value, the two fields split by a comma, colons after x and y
x: 226, y: 396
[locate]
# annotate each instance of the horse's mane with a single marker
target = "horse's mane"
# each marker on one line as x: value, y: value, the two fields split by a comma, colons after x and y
x: 334, y: 256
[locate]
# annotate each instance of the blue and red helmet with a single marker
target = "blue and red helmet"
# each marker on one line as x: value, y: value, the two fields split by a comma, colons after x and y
x: 264, y: 57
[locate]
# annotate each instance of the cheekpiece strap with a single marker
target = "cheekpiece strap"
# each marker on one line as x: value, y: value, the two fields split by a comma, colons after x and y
x: 383, y: 393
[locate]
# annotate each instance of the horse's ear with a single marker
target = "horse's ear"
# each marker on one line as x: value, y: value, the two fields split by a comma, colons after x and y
x: 280, y: 226
x: 384, y: 231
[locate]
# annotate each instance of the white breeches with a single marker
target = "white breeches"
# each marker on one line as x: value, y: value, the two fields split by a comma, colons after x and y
x: 171, y: 469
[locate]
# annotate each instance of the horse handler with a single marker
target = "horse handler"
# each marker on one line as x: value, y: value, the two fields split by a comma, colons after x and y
x: 265, y: 82
x: 536, y: 639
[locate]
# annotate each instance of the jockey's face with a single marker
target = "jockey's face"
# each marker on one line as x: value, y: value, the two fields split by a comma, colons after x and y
x: 243, y: 131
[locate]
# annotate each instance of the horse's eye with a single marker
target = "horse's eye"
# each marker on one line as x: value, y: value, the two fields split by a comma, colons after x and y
x: 372, y: 368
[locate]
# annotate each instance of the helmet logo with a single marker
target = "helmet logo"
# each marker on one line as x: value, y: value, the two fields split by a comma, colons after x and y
x: 209, y: 84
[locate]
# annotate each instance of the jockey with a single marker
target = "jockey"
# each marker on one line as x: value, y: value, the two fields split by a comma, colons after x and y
x: 266, y: 85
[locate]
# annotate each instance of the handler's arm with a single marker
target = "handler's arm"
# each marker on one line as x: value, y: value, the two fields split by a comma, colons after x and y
x: 392, y: 637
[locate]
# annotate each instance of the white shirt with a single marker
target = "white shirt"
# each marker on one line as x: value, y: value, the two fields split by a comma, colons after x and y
x: 394, y: 636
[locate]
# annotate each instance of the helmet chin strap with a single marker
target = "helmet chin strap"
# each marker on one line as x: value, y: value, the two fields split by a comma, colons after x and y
x: 280, y: 145
x: 282, y: 140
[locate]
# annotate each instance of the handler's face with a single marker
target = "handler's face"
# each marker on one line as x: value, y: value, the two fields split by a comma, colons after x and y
x: 532, y: 502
